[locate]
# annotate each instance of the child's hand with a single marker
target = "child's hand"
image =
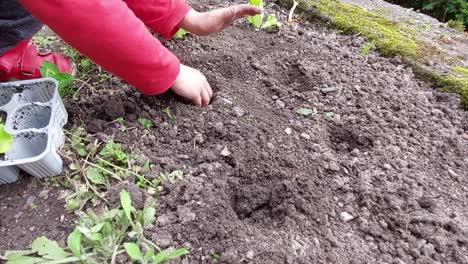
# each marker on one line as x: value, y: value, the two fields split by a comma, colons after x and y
x: 192, y: 85
x: 211, y: 22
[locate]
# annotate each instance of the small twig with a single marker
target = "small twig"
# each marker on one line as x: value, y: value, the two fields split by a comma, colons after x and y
x: 104, y: 169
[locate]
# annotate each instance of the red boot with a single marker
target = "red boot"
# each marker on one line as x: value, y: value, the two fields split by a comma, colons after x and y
x: 109, y: 33
x: 24, y: 62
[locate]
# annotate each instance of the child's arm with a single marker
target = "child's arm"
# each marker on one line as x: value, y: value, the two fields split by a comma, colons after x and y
x: 109, y: 33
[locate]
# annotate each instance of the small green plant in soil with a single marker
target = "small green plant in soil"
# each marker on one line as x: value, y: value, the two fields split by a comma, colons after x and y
x: 167, y: 111
x: 461, y: 70
x: 113, y: 152
x: 49, y: 69
x: 272, y: 22
x: 146, y: 123
x: 256, y: 20
x: 181, y: 33
x: 6, y: 140
x: 120, y: 124
x: 101, y: 239
x: 367, y: 47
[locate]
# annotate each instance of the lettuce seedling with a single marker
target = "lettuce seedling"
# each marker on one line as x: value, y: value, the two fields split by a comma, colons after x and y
x: 6, y: 140
x: 256, y: 20
x: 272, y: 21
x: 49, y: 69
x: 181, y: 33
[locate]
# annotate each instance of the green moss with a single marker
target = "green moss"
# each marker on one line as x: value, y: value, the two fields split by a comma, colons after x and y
x: 458, y: 25
x: 390, y: 37
x: 450, y: 83
x: 461, y: 70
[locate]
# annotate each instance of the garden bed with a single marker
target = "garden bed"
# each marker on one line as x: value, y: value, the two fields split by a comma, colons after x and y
x: 377, y: 173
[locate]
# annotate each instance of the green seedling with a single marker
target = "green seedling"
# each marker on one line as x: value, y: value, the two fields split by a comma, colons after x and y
x: 367, y: 47
x: 49, y: 69
x: 306, y: 111
x: 6, y: 140
x: 271, y: 22
x: 256, y: 20
x: 146, y: 123
x: 181, y: 33
x: 167, y: 111
x: 426, y: 27
x: 101, y: 239
x: 43, y: 41
x: 120, y: 124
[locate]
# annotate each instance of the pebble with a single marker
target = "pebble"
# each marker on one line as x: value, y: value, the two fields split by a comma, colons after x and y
x: 270, y: 145
x: 250, y: 254
x: 387, y: 166
x: 238, y: 112
x: 225, y: 152
x: 346, y: 217
x: 288, y: 131
x: 327, y: 90
x: 30, y: 201
x: 305, y: 136
x: 44, y: 194
x: 280, y: 104
x: 452, y: 173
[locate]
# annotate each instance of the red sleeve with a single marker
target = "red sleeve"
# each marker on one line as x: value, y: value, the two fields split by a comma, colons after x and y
x: 110, y: 34
x: 160, y: 15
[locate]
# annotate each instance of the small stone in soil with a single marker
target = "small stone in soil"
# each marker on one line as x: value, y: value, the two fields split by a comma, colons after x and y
x: 305, y: 136
x: 288, y: 131
x: 346, y: 217
x: 327, y: 90
x: 225, y: 152
x: 250, y: 254
x: 44, y: 194
x: 280, y: 104
x: 238, y: 112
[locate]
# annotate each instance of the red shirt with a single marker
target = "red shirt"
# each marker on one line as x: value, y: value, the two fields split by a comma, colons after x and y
x: 114, y: 34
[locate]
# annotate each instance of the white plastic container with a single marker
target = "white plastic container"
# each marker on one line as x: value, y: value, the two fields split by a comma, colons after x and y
x: 35, y: 116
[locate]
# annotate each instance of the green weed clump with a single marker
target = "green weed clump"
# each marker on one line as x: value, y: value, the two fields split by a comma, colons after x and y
x: 390, y: 37
x: 461, y: 70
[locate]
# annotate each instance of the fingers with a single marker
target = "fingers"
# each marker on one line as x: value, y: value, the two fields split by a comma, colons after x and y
x: 205, y: 97
x: 210, y: 91
x: 247, y: 10
x: 197, y: 101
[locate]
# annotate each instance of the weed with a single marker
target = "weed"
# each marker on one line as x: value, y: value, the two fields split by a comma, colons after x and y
x: 461, y: 70
x: 146, y: 123
x: 367, y: 47
x: 455, y: 24
x: 113, y: 152
x: 120, y: 124
x: 426, y: 27
x: 43, y: 41
x: 101, y: 238
x: 167, y: 111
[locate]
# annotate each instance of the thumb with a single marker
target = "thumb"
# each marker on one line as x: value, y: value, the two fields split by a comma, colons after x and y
x: 242, y: 10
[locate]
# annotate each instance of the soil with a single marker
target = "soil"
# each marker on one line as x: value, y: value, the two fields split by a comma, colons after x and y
x: 377, y: 175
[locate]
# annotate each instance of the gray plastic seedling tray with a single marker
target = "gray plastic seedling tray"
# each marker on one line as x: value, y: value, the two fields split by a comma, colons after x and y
x: 35, y: 116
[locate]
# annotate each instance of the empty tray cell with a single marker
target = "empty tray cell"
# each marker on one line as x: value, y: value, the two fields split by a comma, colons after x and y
x: 27, y: 145
x: 37, y: 92
x: 31, y: 116
x: 6, y: 93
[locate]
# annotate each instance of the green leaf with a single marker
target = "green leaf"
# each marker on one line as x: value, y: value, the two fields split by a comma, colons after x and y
x: 97, y: 227
x: 48, y: 249
x: 167, y: 254
x: 272, y: 21
x: 126, y: 202
x: 145, y: 122
x: 181, y: 33
x: 6, y: 140
x: 148, y: 215
x: 149, y: 255
x: 49, y: 69
x: 367, y: 47
x: 133, y: 251
x: 305, y: 111
x: 74, y: 242
x: 256, y: 20
x: 95, y: 176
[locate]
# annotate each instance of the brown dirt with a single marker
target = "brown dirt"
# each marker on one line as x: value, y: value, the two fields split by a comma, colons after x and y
x: 393, y: 157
